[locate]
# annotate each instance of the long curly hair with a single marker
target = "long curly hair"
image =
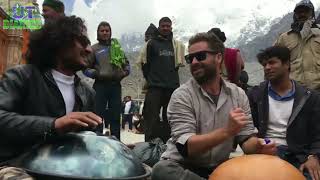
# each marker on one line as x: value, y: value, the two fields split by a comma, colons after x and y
x: 46, y: 43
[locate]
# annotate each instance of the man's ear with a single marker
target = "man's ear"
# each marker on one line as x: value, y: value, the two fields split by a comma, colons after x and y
x: 219, y: 58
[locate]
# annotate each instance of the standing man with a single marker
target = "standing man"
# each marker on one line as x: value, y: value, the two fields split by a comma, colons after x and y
x: 108, y: 66
x: 303, y: 41
x: 45, y: 98
x: 287, y: 113
x: 151, y: 32
x: 160, y: 67
x: 206, y: 115
x: 128, y: 110
x: 52, y: 10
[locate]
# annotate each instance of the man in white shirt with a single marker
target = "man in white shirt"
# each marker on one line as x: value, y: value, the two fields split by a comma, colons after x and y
x: 287, y: 113
x: 128, y: 110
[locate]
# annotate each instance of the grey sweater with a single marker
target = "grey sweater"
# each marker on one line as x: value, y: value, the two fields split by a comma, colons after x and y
x: 100, y: 67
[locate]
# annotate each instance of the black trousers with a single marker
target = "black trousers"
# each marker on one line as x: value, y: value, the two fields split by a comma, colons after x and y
x: 108, y: 105
x: 154, y: 126
x: 127, y: 118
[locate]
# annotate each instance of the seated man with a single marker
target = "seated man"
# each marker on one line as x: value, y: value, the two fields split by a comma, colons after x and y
x: 206, y: 114
x: 45, y: 98
x: 287, y: 113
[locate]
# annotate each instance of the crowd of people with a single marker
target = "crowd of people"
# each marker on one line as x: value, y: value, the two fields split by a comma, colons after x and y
x: 200, y: 120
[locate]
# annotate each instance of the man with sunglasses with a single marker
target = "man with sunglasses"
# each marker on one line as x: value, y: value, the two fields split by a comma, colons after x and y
x: 303, y: 41
x: 206, y: 115
x: 45, y: 98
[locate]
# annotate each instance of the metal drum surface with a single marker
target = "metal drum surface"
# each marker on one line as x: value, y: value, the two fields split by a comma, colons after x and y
x: 83, y: 156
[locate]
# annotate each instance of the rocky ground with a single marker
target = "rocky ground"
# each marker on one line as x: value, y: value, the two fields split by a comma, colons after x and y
x: 128, y: 137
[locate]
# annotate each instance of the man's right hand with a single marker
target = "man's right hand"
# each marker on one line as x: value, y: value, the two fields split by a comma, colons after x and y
x: 75, y: 121
x: 237, y: 120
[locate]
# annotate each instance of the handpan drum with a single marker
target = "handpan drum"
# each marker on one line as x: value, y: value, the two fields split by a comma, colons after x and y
x: 83, y: 156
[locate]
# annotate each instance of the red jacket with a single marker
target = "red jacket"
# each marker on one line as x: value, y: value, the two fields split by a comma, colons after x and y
x: 230, y: 62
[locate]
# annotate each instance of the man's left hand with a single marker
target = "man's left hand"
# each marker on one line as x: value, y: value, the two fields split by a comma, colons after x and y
x: 264, y: 148
x: 313, y: 167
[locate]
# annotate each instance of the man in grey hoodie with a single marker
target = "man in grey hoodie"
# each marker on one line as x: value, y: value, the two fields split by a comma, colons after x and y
x: 108, y: 67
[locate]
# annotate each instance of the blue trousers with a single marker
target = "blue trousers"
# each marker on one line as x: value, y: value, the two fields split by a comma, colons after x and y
x: 108, y: 105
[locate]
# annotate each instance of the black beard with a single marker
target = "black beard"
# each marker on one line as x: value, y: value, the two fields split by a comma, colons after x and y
x: 297, y: 26
x: 203, y: 80
x: 72, y: 66
x: 209, y: 75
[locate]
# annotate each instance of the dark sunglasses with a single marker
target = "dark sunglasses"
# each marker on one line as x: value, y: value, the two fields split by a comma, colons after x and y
x: 200, y: 56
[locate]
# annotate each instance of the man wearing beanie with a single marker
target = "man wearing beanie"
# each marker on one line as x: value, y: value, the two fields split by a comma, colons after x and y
x: 52, y: 10
x: 150, y: 32
x: 303, y: 41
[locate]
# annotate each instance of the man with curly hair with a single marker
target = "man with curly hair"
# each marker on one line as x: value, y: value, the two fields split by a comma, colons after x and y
x: 45, y: 98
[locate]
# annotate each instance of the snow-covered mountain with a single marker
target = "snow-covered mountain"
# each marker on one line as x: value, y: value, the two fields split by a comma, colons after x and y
x: 233, y: 17
x: 250, y: 25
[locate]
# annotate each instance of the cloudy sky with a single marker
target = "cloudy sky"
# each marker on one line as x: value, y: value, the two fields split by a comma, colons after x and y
x: 190, y: 15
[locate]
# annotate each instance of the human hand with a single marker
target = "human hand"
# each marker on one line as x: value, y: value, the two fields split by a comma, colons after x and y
x: 76, y: 120
x: 120, y: 74
x: 312, y: 166
x: 265, y: 146
x: 237, y: 120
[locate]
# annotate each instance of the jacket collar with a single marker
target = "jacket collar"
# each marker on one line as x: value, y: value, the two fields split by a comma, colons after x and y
x: 314, y: 31
x: 47, y: 73
x: 300, y: 97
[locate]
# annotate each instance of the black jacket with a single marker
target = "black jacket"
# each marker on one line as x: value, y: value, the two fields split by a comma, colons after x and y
x: 30, y: 101
x: 160, y: 70
x: 303, y: 131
